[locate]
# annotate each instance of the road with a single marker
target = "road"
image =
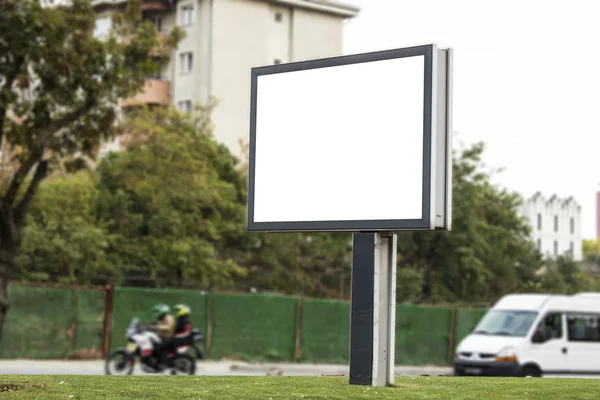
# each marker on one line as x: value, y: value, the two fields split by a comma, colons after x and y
x: 212, y: 368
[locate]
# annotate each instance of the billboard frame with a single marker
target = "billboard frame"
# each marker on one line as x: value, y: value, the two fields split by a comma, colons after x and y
x: 436, y: 186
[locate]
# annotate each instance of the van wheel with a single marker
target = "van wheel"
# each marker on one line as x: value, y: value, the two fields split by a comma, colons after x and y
x: 530, y: 371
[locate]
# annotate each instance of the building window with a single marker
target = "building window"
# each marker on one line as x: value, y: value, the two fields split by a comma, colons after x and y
x: 572, y: 249
x: 555, y: 248
x: 277, y: 61
x: 157, y: 21
x: 583, y: 328
x: 539, y: 221
x: 185, y: 106
x: 539, y: 245
x: 572, y: 226
x: 186, y: 62
x: 278, y: 17
x: 103, y: 26
x: 187, y: 15
x: 556, y: 223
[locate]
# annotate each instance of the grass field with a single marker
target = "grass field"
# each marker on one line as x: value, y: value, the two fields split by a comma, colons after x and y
x: 279, y: 388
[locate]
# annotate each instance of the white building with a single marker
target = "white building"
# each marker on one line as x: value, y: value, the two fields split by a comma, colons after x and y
x: 555, y: 224
x: 225, y: 38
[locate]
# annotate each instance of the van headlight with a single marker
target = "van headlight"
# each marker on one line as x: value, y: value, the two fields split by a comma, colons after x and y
x: 507, y: 354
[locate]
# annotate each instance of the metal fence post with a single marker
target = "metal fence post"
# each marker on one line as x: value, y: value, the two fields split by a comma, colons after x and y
x: 108, y: 308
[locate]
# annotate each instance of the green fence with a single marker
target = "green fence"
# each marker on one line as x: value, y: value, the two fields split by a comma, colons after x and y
x: 422, y: 335
x: 89, y: 322
x: 51, y: 322
x: 256, y: 327
x: 47, y: 322
x: 129, y: 303
x: 465, y: 322
x: 325, y: 331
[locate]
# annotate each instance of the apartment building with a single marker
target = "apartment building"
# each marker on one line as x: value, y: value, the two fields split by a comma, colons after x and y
x: 555, y: 224
x: 598, y: 215
x: 225, y: 38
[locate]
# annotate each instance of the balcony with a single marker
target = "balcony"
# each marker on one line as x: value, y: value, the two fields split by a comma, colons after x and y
x: 147, y: 5
x: 156, y: 92
x: 155, y: 5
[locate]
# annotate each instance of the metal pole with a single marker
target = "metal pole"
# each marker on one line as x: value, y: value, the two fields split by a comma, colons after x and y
x: 108, y: 310
x: 373, y: 320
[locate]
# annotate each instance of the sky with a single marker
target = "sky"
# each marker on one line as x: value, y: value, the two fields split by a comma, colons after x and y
x: 526, y: 82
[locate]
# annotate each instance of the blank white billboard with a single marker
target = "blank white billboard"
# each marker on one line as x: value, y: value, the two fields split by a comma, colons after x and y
x: 346, y: 143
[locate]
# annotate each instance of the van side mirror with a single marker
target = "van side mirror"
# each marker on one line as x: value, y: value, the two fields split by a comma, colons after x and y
x: 539, y: 337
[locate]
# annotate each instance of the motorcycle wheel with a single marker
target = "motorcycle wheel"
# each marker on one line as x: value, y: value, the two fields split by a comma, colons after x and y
x: 122, y: 360
x: 183, y: 364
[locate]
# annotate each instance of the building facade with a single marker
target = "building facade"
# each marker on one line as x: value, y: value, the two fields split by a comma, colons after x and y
x: 598, y: 215
x: 555, y: 225
x: 225, y: 39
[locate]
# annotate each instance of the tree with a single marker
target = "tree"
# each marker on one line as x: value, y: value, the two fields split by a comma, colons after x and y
x: 311, y: 264
x: 487, y: 253
x: 59, y: 89
x: 63, y: 241
x: 173, y: 201
x: 553, y: 281
x: 591, y: 251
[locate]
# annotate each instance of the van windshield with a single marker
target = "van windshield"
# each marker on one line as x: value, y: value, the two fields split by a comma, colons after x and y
x: 506, y: 323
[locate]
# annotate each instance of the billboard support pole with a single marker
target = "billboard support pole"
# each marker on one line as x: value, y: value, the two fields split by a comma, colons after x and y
x: 373, y: 319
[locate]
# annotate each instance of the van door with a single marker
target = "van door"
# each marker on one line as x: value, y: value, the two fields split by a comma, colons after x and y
x: 548, y: 354
x: 583, y: 344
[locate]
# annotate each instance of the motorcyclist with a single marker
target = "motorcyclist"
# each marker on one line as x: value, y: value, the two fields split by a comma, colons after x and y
x: 164, y: 325
x: 183, y: 323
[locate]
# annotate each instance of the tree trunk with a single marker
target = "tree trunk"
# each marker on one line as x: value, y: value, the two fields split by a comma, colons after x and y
x: 10, y: 242
x: 7, y: 259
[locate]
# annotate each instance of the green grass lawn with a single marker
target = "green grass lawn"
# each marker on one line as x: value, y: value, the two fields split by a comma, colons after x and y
x: 279, y: 388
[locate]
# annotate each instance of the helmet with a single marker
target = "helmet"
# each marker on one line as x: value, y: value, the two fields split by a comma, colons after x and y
x: 159, y: 310
x: 181, y: 310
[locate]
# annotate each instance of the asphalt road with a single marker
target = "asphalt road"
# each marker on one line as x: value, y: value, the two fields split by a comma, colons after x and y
x: 213, y: 368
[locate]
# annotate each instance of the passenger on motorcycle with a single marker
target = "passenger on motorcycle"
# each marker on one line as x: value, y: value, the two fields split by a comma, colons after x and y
x: 183, y: 323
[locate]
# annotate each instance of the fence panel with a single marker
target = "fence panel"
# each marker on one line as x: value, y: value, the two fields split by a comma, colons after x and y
x: 326, y: 331
x: 137, y: 302
x: 38, y: 323
x: 466, y: 320
x: 422, y: 335
x: 89, y: 324
x: 254, y: 327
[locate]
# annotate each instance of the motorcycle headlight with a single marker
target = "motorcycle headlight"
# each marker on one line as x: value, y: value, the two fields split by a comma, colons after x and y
x: 507, y: 354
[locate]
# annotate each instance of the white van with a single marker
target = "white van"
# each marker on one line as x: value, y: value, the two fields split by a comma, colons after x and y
x: 534, y: 335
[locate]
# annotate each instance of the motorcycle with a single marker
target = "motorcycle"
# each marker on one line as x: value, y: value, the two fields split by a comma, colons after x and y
x: 141, y: 339
x: 190, y: 341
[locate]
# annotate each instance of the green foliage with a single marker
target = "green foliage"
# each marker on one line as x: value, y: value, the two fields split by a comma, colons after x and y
x: 310, y: 264
x: 173, y: 202
x: 62, y: 236
x: 409, y: 284
x: 591, y: 251
x: 487, y: 253
x: 564, y: 276
x: 553, y: 282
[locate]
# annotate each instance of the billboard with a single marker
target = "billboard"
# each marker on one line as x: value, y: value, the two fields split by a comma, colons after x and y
x: 352, y: 143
